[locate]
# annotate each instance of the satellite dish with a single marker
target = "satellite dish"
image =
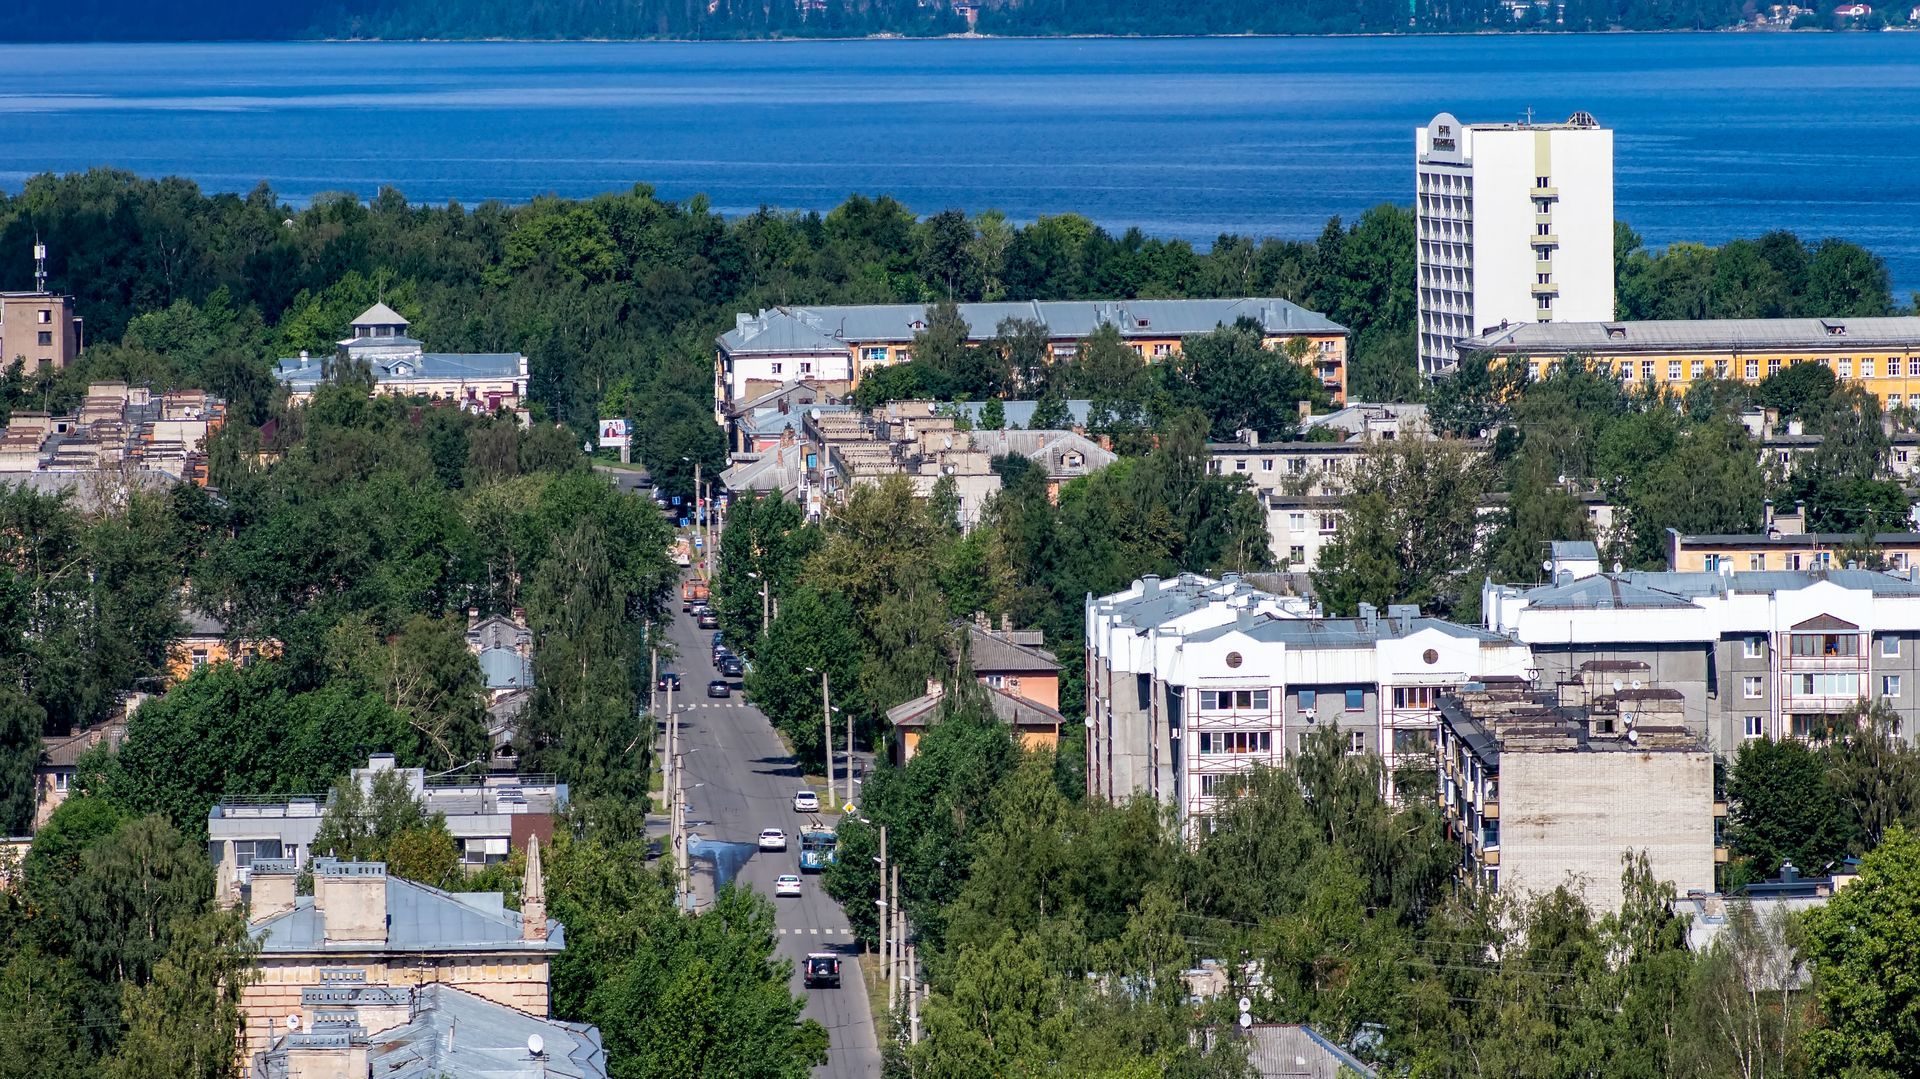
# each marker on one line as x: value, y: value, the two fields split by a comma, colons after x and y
x: 1617, y: 567
x: 586, y: 447
x: 1245, y: 1020
x: 1617, y: 687
x: 1246, y: 1005
x: 536, y: 1045
x: 293, y: 1021
x: 1547, y: 564
x: 1633, y: 736
x: 1636, y: 683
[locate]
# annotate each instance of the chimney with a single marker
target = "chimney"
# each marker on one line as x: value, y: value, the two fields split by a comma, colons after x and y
x: 473, y: 618
x: 226, y: 885
x: 533, y: 897
x: 980, y: 621
x: 1306, y: 411
x: 1250, y: 436
x: 1150, y: 585
x: 352, y: 900
x: 1369, y: 615
x: 934, y: 688
x: 520, y: 617
x: 1006, y: 622
x: 271, y: 881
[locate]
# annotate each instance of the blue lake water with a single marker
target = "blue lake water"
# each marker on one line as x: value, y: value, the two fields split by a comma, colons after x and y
x: 1718, y: 135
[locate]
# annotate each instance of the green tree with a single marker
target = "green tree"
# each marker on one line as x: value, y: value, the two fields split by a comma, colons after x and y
x: 1409, y: 527
x: 186, y: 1021
x: 815, y: 633
x: 1867, y: 962
x: 425, y: 673
x: 1240, y: 383
x: 21, y: 722
x: 382, y: 821
x: 1781, y: 808
x: 993, y: 415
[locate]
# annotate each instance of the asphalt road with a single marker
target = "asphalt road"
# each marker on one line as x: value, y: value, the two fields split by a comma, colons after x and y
x: 746, y: 782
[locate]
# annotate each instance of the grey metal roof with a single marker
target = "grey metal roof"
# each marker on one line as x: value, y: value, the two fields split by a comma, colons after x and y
x: 304, y: 374
x: 380, y: 315
x: 1574, y: 550
x: 503, y: 668
x: 396, y: 341
x: 1299, y: 1052
x: 419, y: 919
x: 1736, y: 334
x: 1015, y: 711
x: 90, y: 489
x: 834, y: 328
x: 1796, y: 539
x: 1342, y: 632
x: 454, y: 1032
x: 1641, y: 589
x: 990, y: 651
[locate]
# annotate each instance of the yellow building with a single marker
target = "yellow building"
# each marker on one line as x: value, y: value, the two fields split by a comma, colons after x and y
x: 840, y: 345
x: 1035, y: 726
x: 207, y: 642
x: 1777, y: 550
x: 1881, y: 355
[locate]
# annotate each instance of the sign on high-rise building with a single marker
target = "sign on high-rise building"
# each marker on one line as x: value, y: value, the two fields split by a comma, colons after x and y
x: 1515, y: 224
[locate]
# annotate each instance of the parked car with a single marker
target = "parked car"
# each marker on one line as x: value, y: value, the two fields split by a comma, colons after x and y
x: 668, y: 680
x: 719, y: 639
x: 732, y: 667
x: 821, y: 971
x: 773, y: 839
x: 709, y: 620
x: 787, y: 884
x: 806, y: 802
x: 719, y: 688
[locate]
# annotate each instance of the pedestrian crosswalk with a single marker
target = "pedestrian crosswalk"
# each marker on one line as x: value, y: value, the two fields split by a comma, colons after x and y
x: 720, y: 704
x: 816, y: 931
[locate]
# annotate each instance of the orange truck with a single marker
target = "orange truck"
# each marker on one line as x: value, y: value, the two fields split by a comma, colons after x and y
x: 692, y: 591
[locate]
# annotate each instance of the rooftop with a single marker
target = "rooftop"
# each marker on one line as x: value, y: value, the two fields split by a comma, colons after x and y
x: 992, y: 650
x: 419, y: 919
x: 1359, y: 632
x: 1639, y: 589
x: 1736, y: 334
x: 1495, y: 717
x: 827, y: 329
x: 1016, y: 712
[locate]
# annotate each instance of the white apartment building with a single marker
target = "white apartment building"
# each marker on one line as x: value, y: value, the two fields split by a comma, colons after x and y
x: 1775, y: 653
x: 1515, y: 224
x: 1191, y: 684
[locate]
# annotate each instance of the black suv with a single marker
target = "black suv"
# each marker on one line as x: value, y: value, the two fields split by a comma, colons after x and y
x: 821, y: 971
x: 668, y: 680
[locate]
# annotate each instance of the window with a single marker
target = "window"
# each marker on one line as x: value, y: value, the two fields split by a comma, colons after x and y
x: 60, y: 780
x: 1239, y: 464
x: 874, y: 355
x: 1890, y: 647
x: 1328, y: 522
x: 1756, y: 561
x: 1297, y: 555
x: 1297, y: 522
x: 44, y: 316
x: 1719, y: 368
x: 1696, y: 368
x: 1673, y: 370
x: 1826, y: 644
x: 1752, y: 647
x: 1866, y: 367
x: 1162, y: 351
x: 245, y: 851
x: 487, y: 851
x: 1219, y: 784
x: 1309, y: 702
x: 1756, y: 726
x: 1545, y: 254
x: 199, y: 658
x: 1416, y: 696
x: 1846, y: 368
x: 1543, y: 278
x: 1890, y: 685
x: 1543, y: 229
x: 1541, y: 181
x: 1750, y: 687
x: 1216, y: 743
x: 1356, y: 743
x: 1266, y: 464
x: 1753, y: 370
x: 46, y: 337
x: 1793, y: 561
x: 1829, y: 685
x: 1545, y: 304
x: 1773, y: 365
x: 1405, y: 742
x: 1356, y: 700
x: 1232, y: 700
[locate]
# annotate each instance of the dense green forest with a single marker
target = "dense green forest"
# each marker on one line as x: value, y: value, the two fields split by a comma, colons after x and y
x: 39, y: 20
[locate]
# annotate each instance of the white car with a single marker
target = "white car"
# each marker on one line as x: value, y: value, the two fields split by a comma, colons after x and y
x: 773, y: 839
x: 806, y: 802
x: 786, y: 884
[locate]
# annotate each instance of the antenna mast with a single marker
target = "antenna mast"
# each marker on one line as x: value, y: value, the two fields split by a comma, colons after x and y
x: 39, y: 264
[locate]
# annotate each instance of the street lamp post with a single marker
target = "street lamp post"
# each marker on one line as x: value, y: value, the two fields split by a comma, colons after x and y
x: 826, y: 747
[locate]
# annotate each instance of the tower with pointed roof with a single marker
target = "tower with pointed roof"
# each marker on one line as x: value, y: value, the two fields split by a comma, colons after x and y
x: 533, y: 896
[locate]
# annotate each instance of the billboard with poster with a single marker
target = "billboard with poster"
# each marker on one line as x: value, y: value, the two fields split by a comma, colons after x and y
x: 614, y: 434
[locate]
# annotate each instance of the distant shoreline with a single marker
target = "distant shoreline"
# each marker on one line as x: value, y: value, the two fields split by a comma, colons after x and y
x: 800, y: 40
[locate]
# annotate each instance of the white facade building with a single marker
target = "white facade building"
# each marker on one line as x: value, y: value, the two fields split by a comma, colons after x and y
x: 1515, y: 224
x: 1776, y: 653
x: 1192, y: 683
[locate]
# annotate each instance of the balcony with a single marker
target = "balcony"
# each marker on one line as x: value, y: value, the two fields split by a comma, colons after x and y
x: 1548, y: 289
x: 1491, y: 811
x: 1549, y: 240
x: 1543, y: 192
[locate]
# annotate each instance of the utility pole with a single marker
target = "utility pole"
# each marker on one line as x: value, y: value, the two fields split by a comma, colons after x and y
x: 899, y: 932
x: 826, y: 719
x: 765, y: 620
x: 849, y: 758
x: 913, y: 995
x: 698, y: 510
x: 681, y: 889
x: 885, y: 911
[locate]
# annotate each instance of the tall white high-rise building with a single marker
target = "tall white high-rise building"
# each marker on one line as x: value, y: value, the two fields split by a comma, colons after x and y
x: 1515, y: 224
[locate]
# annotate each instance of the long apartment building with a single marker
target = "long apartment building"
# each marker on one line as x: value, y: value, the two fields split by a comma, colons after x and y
x: 128, y: 430
x: 835, y: 346
x: 1880, y: 355
x: 1774, y: 653
x: 1515, y: 224
x: 1192, y: 682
